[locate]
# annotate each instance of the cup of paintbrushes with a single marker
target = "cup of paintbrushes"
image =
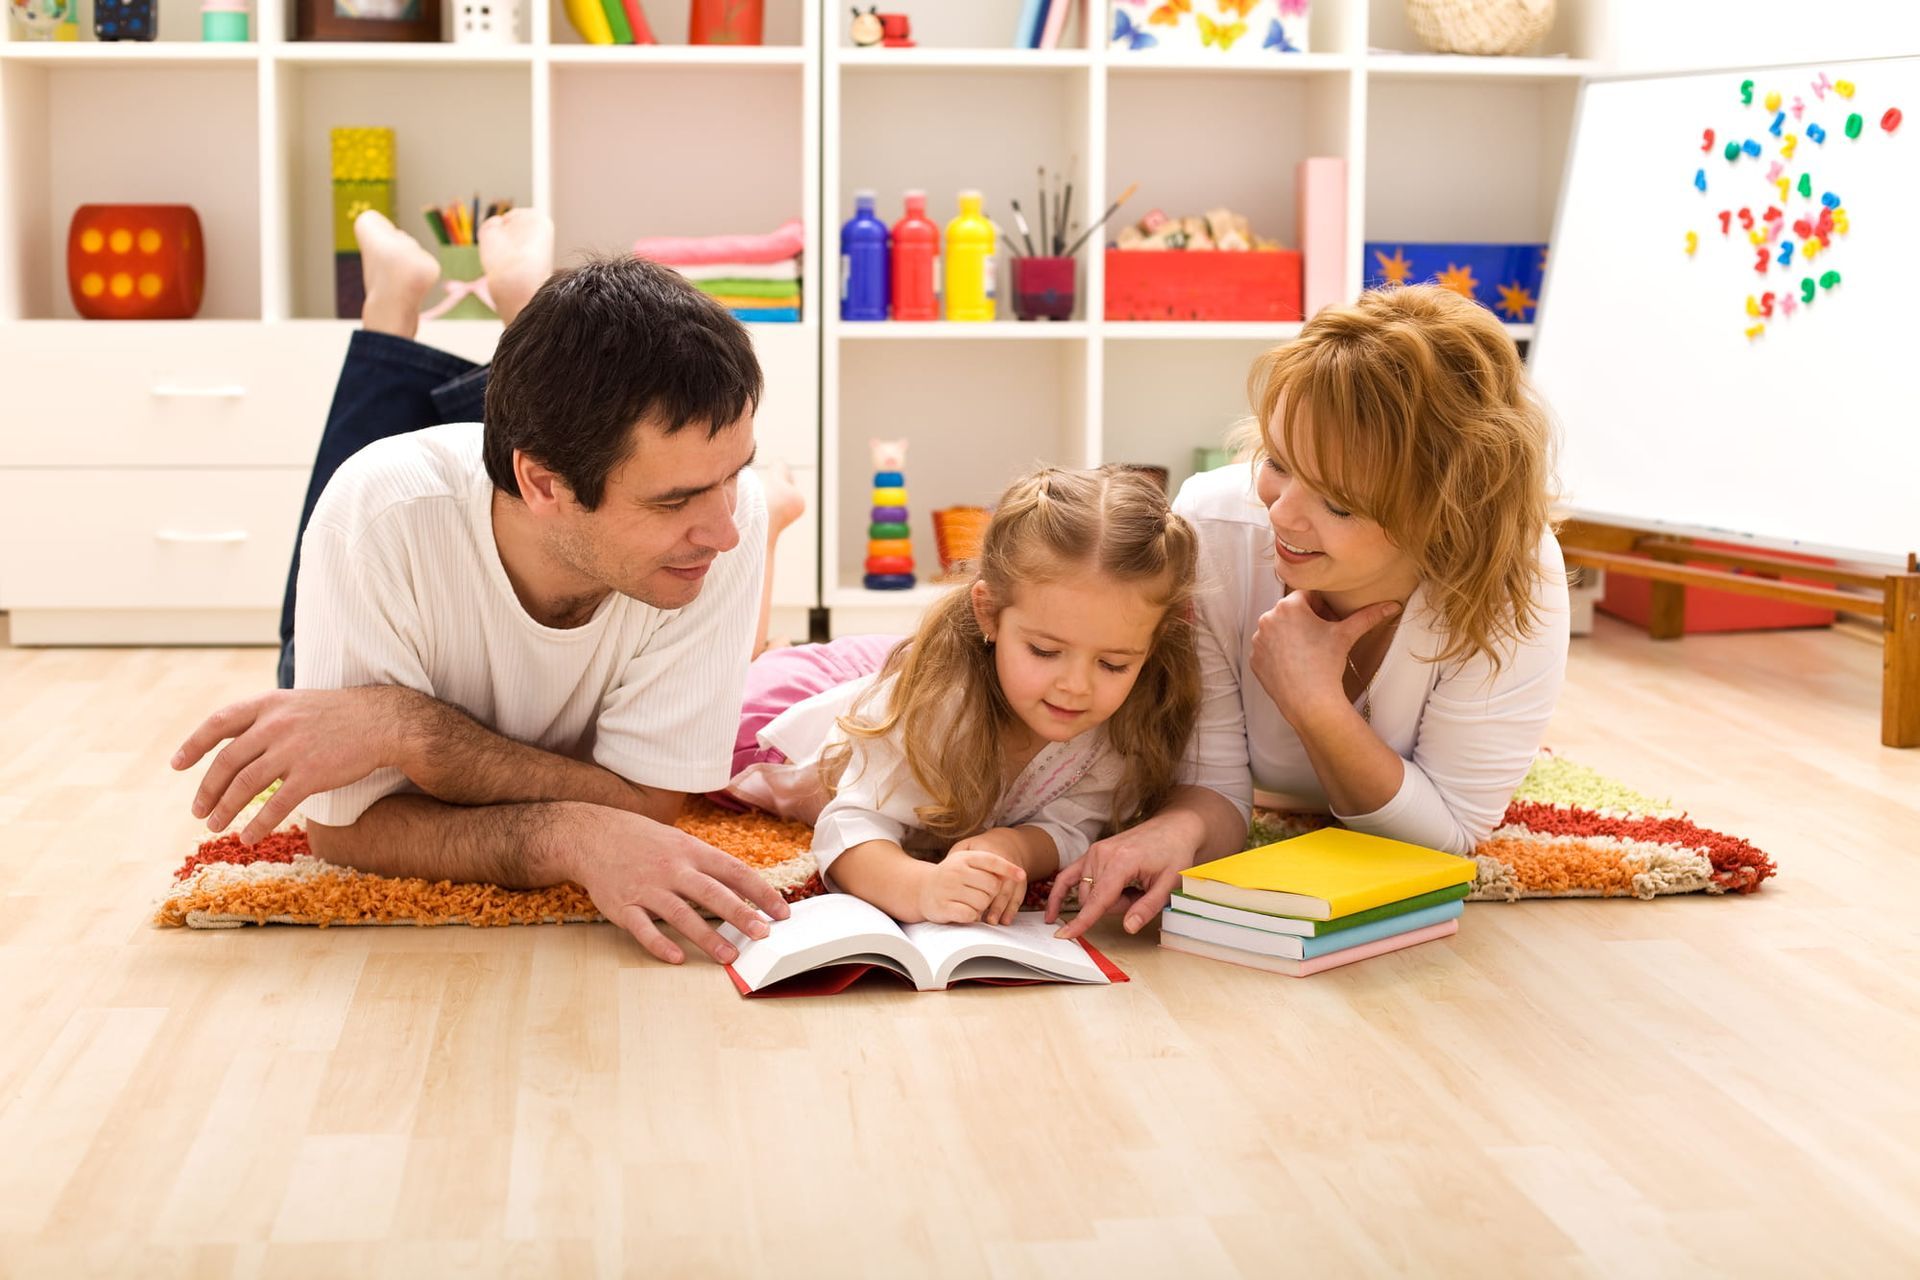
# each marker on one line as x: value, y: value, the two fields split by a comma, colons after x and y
x: 1043, y: 288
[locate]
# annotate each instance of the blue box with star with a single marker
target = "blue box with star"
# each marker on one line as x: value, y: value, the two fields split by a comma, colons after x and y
x: 1505, y: 278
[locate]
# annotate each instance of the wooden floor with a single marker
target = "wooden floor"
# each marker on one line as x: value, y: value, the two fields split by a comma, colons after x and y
x: 1566, y: 1088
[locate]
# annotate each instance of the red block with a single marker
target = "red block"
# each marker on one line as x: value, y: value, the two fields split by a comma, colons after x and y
x: 136, y: 261
x: 1203, y: 284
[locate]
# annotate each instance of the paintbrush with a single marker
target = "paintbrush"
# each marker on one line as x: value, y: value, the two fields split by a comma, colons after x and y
x: 1043, y: 206
x: 1020, y: 220
x: 1101, y: 221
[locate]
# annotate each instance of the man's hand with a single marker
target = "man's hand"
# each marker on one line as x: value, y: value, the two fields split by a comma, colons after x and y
x: 971, y: 884
x: 640, y: 871
x: 310, y: 740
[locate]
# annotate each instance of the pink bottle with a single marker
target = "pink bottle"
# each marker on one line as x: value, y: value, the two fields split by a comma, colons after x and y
x: 916, y: 262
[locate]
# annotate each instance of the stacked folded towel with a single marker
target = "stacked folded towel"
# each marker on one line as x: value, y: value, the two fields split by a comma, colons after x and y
x: 755, y: 277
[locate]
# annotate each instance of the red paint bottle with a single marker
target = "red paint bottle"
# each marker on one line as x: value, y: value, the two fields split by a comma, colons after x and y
x: 916, y: 262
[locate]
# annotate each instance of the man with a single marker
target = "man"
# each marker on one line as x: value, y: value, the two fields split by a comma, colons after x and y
x: 519, y: 647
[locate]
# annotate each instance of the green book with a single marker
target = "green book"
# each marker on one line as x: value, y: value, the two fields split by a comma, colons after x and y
x: 1314, y: 928
x: 617, y: 19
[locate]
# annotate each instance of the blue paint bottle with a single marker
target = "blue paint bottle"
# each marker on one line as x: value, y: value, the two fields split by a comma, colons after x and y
x: 863, y: 263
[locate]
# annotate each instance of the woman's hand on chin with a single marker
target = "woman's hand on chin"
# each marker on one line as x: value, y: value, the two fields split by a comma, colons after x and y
x: 1300, y: 656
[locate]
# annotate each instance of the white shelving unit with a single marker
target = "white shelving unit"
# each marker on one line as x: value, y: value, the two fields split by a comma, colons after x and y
x: 622, y: 142
x: 201, y: 433
x: 1437, y: 148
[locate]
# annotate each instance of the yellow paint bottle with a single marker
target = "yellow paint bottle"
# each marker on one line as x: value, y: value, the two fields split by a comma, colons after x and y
x: 970, y: 267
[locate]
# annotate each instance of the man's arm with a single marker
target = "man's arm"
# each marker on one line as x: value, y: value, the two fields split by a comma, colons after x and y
x: 315, y: 740
x: 453, y: 757
x: 635, y: 869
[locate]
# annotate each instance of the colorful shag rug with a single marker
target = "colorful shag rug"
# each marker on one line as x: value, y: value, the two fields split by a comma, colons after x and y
x: 1569, y: 833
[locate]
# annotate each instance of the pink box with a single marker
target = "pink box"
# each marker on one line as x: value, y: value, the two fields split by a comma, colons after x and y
x: 1321, y: 188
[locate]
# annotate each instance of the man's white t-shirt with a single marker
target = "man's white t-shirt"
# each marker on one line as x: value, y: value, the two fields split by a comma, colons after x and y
x: 401, y: 584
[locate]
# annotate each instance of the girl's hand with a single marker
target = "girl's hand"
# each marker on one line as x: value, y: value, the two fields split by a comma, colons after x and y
x: 1300, y: 657
x: 972, y: 884
x: 1142, y: 858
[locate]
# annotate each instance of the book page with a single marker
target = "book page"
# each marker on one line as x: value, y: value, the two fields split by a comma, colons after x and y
x: 1028, y: 941
x: 833, y: 928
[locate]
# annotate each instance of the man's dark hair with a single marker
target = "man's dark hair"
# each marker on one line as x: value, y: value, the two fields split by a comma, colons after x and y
x: 602, y: 346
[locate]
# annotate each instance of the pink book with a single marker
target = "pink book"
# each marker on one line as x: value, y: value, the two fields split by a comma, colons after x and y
x: 1322, y: 189
x: 1304, y: 968
x: 1056, y: 23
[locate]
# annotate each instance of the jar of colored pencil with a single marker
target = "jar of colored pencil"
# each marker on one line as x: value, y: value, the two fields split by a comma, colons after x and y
x: 460, y: 271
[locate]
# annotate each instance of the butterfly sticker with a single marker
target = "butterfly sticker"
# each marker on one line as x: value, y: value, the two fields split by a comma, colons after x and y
x: 1127, y: 34
x: 1277, y: 39
x: 1219, y: 33
x: 1237, y: 8
x: 1168, y: 14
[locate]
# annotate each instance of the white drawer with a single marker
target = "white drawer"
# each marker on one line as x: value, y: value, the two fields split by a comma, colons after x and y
x: 217, y: 393
x: 174, y: 539
x: 183, y: 394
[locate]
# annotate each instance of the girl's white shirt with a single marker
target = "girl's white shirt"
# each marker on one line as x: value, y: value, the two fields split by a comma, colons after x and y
x: 1068, y: 789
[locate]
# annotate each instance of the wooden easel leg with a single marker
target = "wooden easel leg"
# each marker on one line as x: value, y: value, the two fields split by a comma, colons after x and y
x: 1667, y: 612
x: 1900, y: 679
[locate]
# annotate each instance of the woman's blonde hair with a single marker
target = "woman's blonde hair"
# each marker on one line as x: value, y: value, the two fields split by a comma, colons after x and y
x: 1418, y: 416
x: 947, y: 708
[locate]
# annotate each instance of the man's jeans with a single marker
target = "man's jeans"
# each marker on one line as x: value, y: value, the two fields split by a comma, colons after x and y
x: 388, y: 387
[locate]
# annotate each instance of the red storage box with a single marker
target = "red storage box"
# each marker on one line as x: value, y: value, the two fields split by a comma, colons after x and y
x: 1708, y: 610
x: 1203, y: 284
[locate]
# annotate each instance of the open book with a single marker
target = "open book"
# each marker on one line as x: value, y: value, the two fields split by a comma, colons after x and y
x: 832, y: 941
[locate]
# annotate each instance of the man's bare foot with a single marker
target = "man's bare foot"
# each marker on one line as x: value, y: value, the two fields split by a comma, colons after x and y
x: 785, y: 502
x: 398, y: 274
x: 516, y: 251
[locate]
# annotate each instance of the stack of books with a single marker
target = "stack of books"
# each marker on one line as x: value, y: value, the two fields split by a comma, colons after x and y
x: 1316, y: 902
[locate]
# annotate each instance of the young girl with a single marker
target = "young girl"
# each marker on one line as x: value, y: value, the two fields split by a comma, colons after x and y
x: 1038, y: 709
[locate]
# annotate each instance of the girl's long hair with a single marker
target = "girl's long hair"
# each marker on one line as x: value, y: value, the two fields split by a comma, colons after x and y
x: 947, y: 709
x: 1419, y: 417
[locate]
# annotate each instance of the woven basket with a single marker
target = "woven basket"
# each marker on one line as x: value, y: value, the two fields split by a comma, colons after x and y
x: 1480, y: 26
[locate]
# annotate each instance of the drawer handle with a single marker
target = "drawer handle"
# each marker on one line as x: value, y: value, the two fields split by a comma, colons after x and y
x: 181, y: 535
x: 173, y: 391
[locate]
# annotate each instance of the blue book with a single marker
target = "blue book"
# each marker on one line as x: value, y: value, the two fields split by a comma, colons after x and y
x: 1290, y: 947
x: 766, y: 315
x: 1033, y: 14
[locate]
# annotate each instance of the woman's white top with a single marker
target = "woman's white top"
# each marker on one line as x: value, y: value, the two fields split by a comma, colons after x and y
x: 1467, y: 734
x: 1067, y: 790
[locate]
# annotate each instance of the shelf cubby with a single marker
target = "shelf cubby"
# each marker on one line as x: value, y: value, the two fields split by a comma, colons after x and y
x: 132, y: 135
x: 458, y: 132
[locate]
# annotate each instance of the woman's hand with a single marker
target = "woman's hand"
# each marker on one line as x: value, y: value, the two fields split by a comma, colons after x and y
x: 1149, y: 858
x: 970, y: 884
x: 1300, y: 656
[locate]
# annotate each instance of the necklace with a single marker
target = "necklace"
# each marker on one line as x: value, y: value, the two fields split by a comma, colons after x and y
x: 1366, y: 692
x: 1366, y: 686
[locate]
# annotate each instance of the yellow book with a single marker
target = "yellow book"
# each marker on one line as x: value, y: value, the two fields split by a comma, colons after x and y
x: 1325, y: 875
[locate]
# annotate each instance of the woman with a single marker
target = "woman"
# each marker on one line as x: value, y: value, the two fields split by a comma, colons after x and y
x: 1382, y: 608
